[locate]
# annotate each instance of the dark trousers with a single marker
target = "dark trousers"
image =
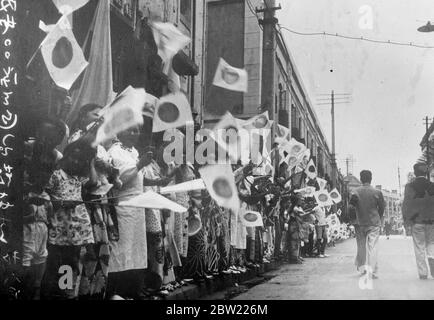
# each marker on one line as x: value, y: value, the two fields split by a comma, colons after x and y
x: 321, y: 242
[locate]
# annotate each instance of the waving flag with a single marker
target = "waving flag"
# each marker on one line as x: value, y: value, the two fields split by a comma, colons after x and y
x: 228, y: 127
x: 336, y: 196
x: 169, y: 40
x: 69, y: 6
x: 185, y: 186
x: 282, y: 132
x: 123, y: 113
x: 220, y: 183
x: 230, y: 78
x: 323, y: 198
x: 311, y: 170
x: 97, y: 83
x: 62, y: 54
x: 260, y: 121
x: 152, y: 200
x: 251, y: 218
x: 322, y: 183
x: 172, y: 111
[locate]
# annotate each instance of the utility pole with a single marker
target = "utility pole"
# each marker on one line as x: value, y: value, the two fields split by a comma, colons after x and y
x: 427, y: 124
x: 341, y: 99
x: 269, y: 23
x: 399, y: 181
x: 334, y: 166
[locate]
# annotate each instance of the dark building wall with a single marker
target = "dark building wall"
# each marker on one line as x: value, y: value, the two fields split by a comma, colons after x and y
x: 224, y: 38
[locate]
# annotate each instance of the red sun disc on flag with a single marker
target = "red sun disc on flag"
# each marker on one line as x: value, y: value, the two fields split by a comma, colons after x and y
x: 62, y: 53
x: 296, y: 149
x: 312, y: 169
x: 261, y: 122
x: 168, y: 112
x: 250, y: 217
x: 222, y: 188
x: 334, y: 195
x: 292, y: 160
x: 323, y: 197
x: 229, y: 76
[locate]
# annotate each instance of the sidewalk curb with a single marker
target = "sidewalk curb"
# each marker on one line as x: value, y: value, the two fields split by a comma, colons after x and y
x: 221, y: 282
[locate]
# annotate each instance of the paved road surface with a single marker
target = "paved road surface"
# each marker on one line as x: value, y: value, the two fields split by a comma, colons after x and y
x: 335, y: 277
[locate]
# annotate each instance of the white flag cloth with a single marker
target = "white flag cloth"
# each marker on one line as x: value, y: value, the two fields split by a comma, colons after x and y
x: 97, y: 83
x: 251, y: 218
x: 336, y: 196
x: 185, y: 186
x: 152, y: 200
x: 228, y: 126
x: 311, y: 170
x: 220, y: 183
x: 293, y: 150
x: 260, y: 121
x: 150, y: 105
x: 172, y: 111
x: 69, y: 6
x: 62, y: 54
x: 323, y: 198
x: 306, y: 192
x: 230, y: 78
x: 322, y: 183
x: 123, y: 113
x: 282, y: 132
x: 169, y: 40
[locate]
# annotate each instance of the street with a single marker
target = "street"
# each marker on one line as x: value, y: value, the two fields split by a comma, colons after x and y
x: 335, y: 277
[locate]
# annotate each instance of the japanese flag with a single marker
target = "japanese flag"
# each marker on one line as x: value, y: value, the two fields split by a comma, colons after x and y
x: 281, y: 133
x: 62, y: 54
x: 260, y: 121
x: 172, y: 111
x: 336, y: 196
x: 290, y: 152
x: 323, y: 198
x: 230, y: 78
x: 185, y: 186
x: 322, y: 183
x: 311, y: 170
x: 306, y: 192
x: 220, y: 183
x: 228, y: 127
x: 123, y: 113
x: 251, y: 218
x: 69, y: 6
x: 152, y: 200
x: 169, y: 40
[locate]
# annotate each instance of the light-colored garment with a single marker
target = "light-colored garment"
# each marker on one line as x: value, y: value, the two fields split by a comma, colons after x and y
x: 238, y: 232
x: 69, y: 226
x: 153, y: 216
x: 423, y: 241
x: 320, y: 216
x: 130, y: 252
x: 367, y: 251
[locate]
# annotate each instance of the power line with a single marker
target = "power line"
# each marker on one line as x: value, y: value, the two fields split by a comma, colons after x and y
x: 411, y: 44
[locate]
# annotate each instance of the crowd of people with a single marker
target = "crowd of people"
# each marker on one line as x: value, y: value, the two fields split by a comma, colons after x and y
x: 73, y: 218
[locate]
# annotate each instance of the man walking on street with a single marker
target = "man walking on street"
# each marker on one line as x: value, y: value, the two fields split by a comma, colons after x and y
x: 419, y: 214
x: 369, y: 204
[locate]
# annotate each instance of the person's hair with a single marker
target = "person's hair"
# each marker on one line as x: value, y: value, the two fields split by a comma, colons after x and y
x: 87, y: 153
x: 60, y: 127
x: 419, y: 169
x: 366, y: 176
x: 84, y: 110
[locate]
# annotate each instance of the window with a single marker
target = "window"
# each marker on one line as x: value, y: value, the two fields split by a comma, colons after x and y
x: 185, y: 10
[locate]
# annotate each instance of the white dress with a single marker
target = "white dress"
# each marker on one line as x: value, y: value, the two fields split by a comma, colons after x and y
x: 130, y: 252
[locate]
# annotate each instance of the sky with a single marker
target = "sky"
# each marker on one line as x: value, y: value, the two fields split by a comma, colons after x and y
x: 392, y: 87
